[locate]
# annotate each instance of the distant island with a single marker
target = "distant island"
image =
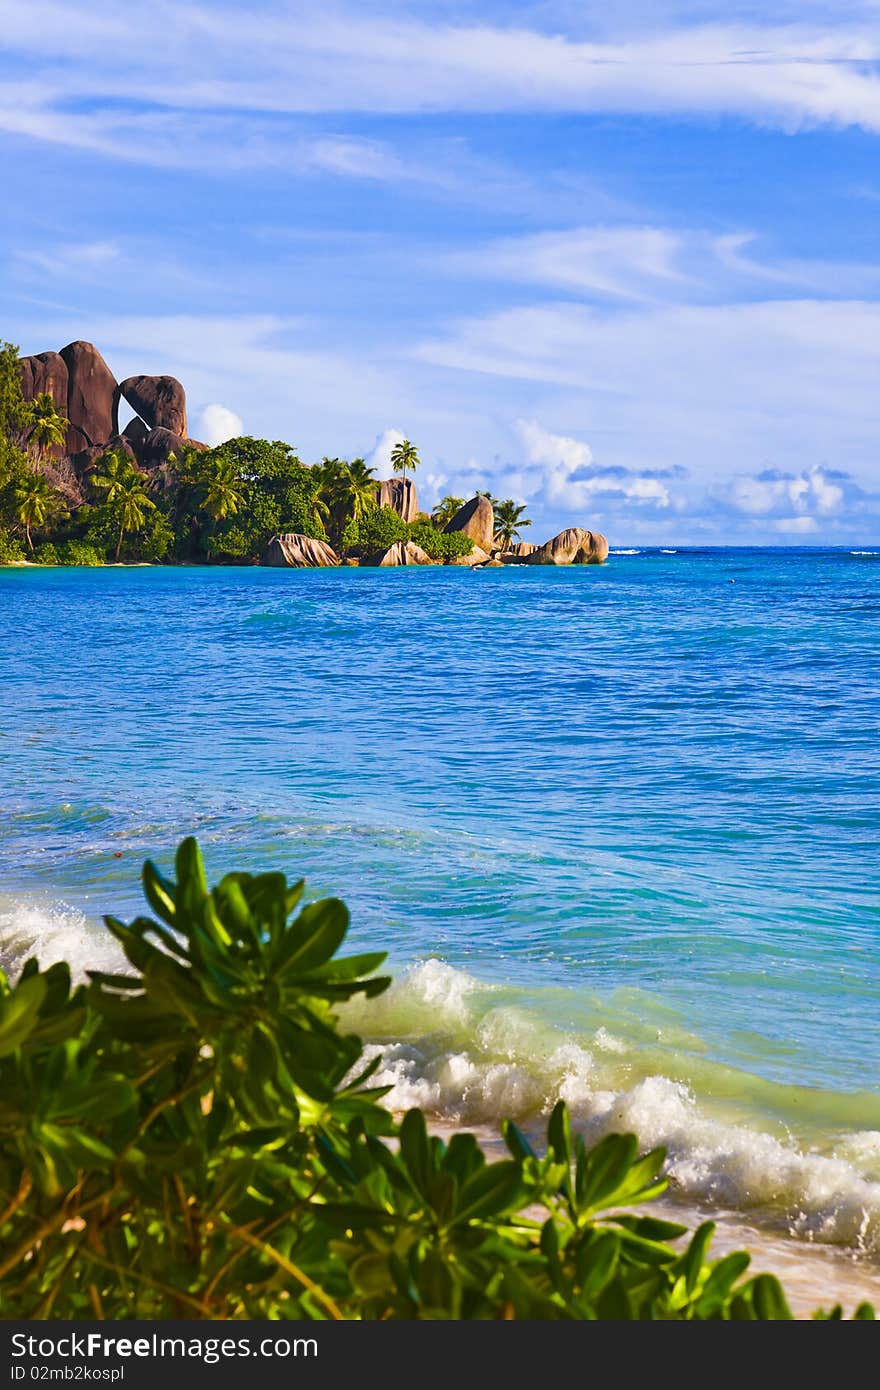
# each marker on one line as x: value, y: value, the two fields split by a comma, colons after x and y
x: 77, y: 490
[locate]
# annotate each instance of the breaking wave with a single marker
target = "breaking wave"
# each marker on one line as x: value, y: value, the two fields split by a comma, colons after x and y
x: 459, y: 1049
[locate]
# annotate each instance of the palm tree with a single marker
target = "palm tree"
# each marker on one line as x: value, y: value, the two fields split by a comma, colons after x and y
x: 124, y: 489
x: 48, y: 426
x: 403, y: 456
x: 34, y: 503
x: 445, y: 510
x: 356, y: 490
x: 508, y: 519
x: 223, y: 496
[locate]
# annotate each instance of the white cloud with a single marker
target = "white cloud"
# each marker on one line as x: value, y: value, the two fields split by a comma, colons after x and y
x: 83, y: 258
x: 716, y: 389
x: 651, y: 263
x: 627, y: 262
x: 562, y: 472
x: 814, y: 489
x: 797, y: 525
x: 217, y: 423
x: 379, y: 457
x: 301, y: 58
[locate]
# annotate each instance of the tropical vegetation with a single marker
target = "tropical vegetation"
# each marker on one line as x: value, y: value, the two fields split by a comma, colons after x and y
x: 195, y: 1136
x: 218, y: 505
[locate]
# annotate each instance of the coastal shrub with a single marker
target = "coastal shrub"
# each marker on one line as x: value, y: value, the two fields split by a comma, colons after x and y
x: 438, y: 544
x: 45, y: 554
x: 79, y: 553
x: 10, y: 549
x: 375, y: 531
x: 278, y: 493
x: 195, y: 1137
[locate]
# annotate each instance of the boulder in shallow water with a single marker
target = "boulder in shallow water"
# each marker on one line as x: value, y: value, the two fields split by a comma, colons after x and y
x: 160, y: 401
x: 476, y: 557
x: 400, y: 495
x: 299, y: 552
x: 477, y: 520
x: 404, y: 553
x: 575, y: 546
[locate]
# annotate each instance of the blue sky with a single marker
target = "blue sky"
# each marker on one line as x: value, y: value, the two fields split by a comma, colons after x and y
x: 620, y: 262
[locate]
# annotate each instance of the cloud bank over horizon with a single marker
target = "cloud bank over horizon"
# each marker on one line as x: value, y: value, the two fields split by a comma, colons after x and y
x: 621, y: 268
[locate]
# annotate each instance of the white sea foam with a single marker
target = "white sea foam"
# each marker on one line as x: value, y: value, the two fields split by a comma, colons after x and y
x: 53, y: 932
x: 865, y: 552
x: 668, y: 552
x: 448, y: 1046
x: 624, y: 552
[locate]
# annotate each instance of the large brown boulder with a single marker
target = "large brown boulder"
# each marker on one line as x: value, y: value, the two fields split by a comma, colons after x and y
x: 45, y: 371
x: 160, y: 401
x: 135, y: 432
x: 477, y: 520
x: 474, y: 557
x: 157, y: 446
x: 299, y: 552
x: 574, y: 546
x: 522, y: 548
x: 400, y: 494
x: 85, y: 461
x: 404, y: 553
x: 91, y: 397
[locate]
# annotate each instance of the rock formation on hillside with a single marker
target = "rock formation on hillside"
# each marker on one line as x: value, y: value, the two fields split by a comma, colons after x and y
x: 299, y: 552
x: 400, y: 494
x: 477, y: 520
x: 571, y: 547
x: 86, y: 392
x: 160, y: 401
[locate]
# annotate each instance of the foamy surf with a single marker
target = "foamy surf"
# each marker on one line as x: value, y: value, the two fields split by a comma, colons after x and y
x: 624, y: 552
x: 53, y: 931
x: 450, y: 1045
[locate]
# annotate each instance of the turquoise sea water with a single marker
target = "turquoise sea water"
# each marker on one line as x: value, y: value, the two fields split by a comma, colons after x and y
x: 618, y: 826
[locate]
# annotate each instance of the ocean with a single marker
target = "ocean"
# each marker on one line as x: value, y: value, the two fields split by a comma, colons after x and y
x: 618, y: 827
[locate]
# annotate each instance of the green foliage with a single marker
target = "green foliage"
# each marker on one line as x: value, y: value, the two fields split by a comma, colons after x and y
x: 438, y: 544
x: 274, y: 492
x: 10, y: 549
x: 375, y: 531
x: 404, y: 455
x: 46, y: 554
x: 78, y: 553
x: 196, y: 1137
x: 508, y: 521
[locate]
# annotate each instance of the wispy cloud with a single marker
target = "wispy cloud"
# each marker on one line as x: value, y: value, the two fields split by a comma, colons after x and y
x: 216, y: 60
x: 655, y: 263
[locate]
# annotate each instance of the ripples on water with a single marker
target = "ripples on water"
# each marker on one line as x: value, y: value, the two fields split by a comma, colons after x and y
x: 636, y: 791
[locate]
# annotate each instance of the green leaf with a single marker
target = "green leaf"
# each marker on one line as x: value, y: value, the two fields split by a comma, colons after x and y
x: 192, y: 884
x: 559, y: 1133
x: 18, y: 1013
x: 693, y: 1259
x: 159, y: 893
x: 722, y: 1277
x: 415, y: 1150
x: 313, y: 938
x: 498, y: 1187
x: 768, y: 1299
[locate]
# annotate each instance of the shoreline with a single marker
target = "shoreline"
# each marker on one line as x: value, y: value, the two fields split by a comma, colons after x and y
x: 813, y: 1275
